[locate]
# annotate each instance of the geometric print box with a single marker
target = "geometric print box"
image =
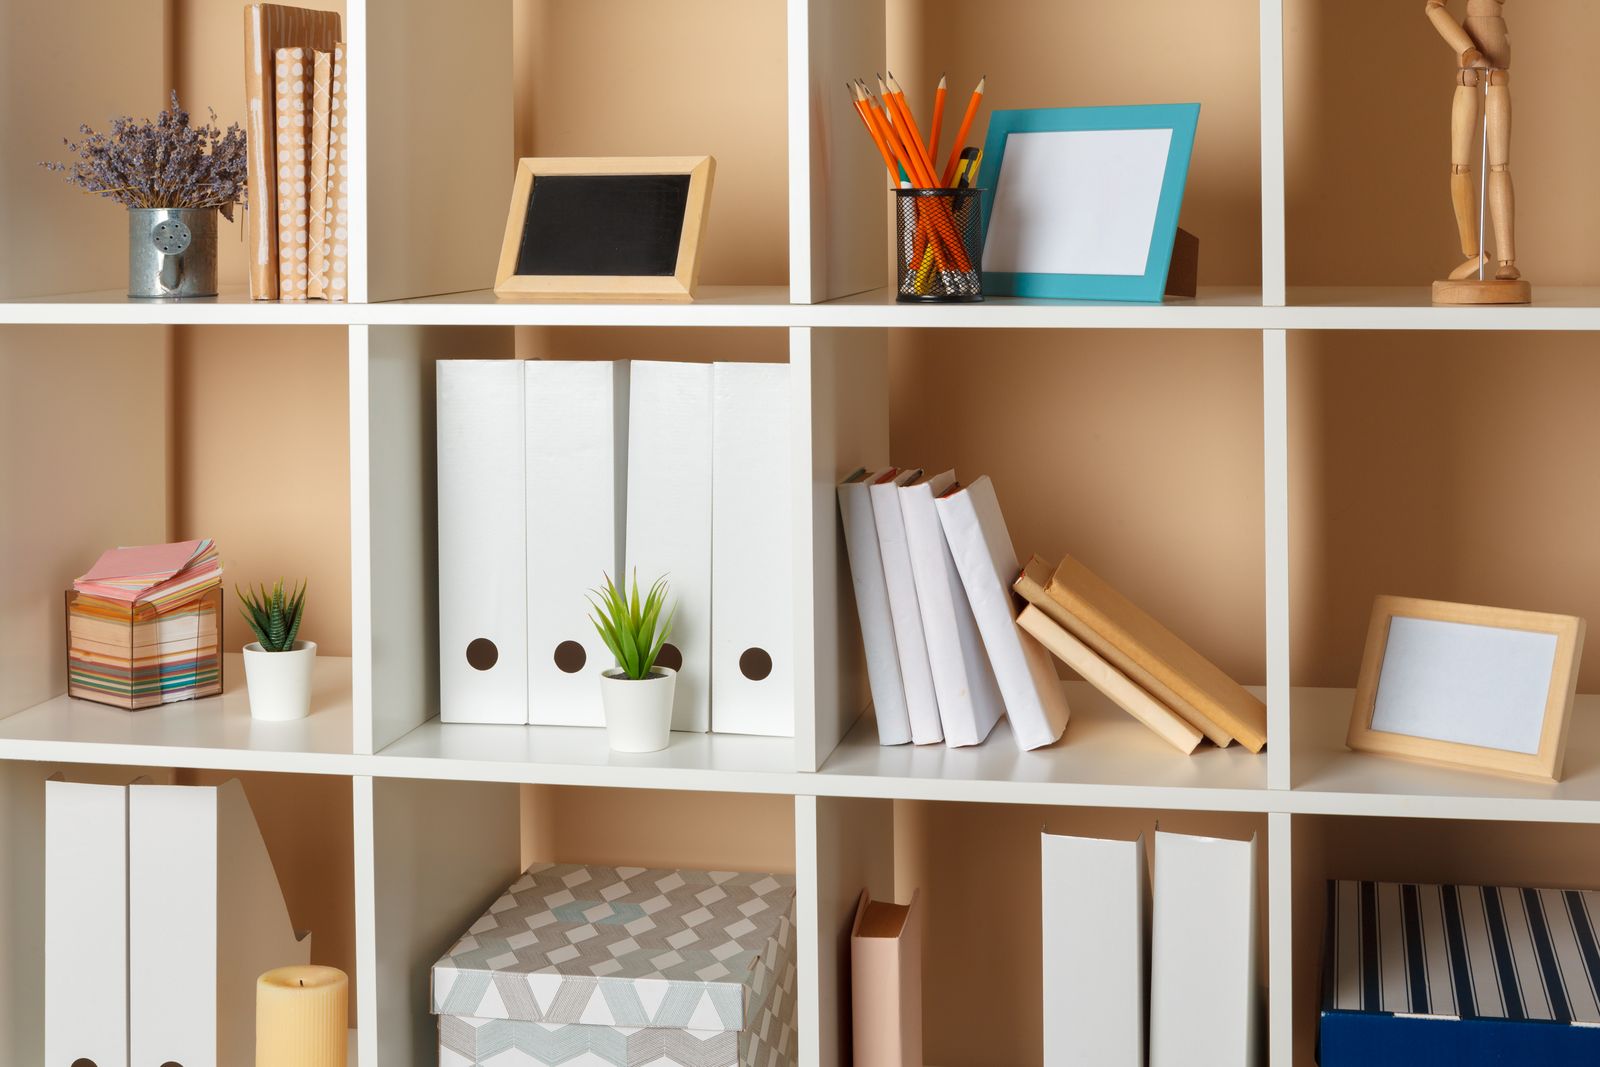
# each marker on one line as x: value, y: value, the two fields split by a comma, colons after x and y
x: 583, y: 966
x: 1457, y: 975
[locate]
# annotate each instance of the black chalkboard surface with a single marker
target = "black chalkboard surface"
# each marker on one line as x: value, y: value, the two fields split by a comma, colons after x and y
x: 603, y: 224
x: 605, y: 228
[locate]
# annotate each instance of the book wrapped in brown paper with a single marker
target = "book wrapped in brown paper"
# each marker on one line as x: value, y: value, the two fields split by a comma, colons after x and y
x: 1159, y: 653
x: 317, y: 180
x: 294, y: 139
x: 267, y: 28
x: 886, y: 983
x: 336, y: 266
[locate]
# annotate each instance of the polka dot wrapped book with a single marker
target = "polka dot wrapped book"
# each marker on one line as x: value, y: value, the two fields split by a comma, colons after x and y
x: 624, y: 965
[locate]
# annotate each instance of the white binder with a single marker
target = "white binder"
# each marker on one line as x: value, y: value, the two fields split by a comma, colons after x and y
x: 576, y: 432
x: 872, y: 608
x: 1096, y: 896
x: 922, y: 702
x: 969, y: 698
x: 85, y: 924
x: 976, y: 531
x: 752, y: 539
x: 205, y: 919
x: 1203, y: 1006
x: 669, y: 517
x: 483, y: 637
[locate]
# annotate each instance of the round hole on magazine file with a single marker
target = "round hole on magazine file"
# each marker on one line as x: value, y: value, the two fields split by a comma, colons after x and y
x: 570, y: 657
x: 755, y: 664
x: 482, y: 654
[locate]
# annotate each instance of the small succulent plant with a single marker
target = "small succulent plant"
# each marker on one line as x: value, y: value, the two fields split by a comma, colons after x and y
x: 164, y: 162
x: 632, y: 629
x: 274, y: 616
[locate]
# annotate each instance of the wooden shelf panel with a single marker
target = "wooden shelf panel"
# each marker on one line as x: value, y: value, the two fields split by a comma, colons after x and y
x: 216, y: 732
x: 231, y: 306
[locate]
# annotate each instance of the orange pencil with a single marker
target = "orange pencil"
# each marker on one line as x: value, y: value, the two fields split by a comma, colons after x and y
x: 911, y: 123
x: 890, y: 138
x: 872, y: 130
x: 966, y: 127
x: 894, y: 105
x: 938, y: 119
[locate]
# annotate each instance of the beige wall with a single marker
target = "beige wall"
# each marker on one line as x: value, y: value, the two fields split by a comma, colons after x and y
x: 261, y: 439
x: 1044, y: 53
x: 1448, y: 466
x: 307, y: 822
x: 977, y: 867
x: 1138, y: 453
x: 1369, y: 90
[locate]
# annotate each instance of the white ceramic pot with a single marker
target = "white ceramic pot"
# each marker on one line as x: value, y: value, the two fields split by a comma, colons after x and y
x: 279, y: 682
x: 638, y: 711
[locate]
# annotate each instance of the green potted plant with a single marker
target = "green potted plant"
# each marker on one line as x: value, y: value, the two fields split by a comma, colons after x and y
x: 637, y: 694
x: 277, y: 666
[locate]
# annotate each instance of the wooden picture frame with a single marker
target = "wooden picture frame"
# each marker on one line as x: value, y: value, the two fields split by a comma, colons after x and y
x: 1485, y: 688
x: 680, y: 284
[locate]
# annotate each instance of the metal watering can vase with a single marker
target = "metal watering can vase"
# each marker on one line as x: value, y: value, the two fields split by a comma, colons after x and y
x: 172, y: 252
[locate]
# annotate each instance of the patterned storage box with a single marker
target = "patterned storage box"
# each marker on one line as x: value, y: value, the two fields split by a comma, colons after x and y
x: 1464, y: 976
x: 584, y: 966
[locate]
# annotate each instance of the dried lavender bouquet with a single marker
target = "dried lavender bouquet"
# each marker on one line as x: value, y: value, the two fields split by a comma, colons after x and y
x: 165, y: 163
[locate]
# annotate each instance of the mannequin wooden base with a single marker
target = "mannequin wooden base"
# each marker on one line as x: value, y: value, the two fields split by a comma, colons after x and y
x: 1486, y: 291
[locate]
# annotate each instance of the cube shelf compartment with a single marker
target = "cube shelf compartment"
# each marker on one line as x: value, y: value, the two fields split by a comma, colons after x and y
x: 1225, y: 458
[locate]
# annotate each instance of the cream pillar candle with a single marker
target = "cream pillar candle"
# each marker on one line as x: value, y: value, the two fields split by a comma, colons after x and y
x: 302, y: 1017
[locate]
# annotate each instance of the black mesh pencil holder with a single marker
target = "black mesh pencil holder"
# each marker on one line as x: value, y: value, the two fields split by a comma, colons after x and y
x: 938, y: 245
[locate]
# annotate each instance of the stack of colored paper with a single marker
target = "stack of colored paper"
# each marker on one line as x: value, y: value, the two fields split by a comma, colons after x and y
x: 144, y: 626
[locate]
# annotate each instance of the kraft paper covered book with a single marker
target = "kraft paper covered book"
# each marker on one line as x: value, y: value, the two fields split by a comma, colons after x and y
x: 1160, y: 653
x: 267, y: 28
x: 317, y: 181
x: 294, y: 166
x: 886, y: 983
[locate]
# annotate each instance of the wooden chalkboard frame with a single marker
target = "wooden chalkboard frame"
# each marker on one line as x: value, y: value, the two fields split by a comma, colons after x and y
x: 680, y: 285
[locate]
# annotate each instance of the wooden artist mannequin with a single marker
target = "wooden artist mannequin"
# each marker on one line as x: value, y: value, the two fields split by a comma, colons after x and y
x: 1483, y: 50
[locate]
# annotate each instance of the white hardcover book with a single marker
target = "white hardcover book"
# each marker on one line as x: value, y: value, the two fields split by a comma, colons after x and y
x: 576, y: 432
x: 85, y: 924
x: 752, y: 549
x: 872, y: 609
x: 1096, y: 896
x: 922, y: 702
x: 483, y: 611
x: 205, y: 919
x: 969, y: 697
x: 669, y: 517
x: 976, y: 531
x: 1203, y: 1004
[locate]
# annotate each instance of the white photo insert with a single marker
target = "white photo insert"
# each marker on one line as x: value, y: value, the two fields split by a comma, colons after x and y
x: 1473, y: 685
x: 1077, y: 202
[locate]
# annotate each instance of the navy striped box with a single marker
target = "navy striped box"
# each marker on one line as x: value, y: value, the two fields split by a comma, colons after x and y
x: 1418, y: 975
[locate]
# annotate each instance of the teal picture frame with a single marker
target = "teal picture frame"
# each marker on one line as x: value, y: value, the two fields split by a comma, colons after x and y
x: 1181, y: 119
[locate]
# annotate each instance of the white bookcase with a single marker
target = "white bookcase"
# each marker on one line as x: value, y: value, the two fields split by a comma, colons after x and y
x: 438, y: 824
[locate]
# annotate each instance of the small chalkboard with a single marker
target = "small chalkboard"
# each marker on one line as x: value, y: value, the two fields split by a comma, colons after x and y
x: 605, y: 228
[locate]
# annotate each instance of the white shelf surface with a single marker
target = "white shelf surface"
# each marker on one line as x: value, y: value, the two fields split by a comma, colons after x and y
x: 1106, y: 758
x: 716, y: 305
x: 216, y: 732
x: 231, y: 306
x: 1329, y: 778
x: 579, y: 755
x: 1215, y: 308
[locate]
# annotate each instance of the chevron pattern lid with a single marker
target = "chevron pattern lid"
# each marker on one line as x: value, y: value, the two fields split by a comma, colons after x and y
x: 621, y: 946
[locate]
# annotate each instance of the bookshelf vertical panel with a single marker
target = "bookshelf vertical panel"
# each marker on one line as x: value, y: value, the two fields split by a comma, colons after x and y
x: 1273, y: 250
x: 395, y: 519
x: 1275, y: 463
x: 843, y: 845
x: 438, y: 151
x: 838, y: 210
x: 441, y: 853
x: 841, y: 422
